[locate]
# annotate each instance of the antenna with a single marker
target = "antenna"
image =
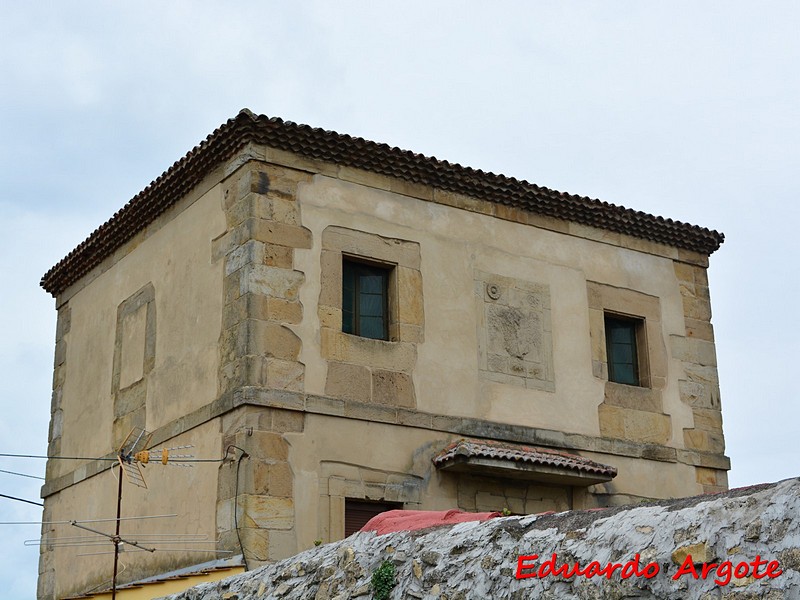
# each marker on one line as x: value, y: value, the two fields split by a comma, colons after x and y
x: 131, y: 454
x: 136, y: 441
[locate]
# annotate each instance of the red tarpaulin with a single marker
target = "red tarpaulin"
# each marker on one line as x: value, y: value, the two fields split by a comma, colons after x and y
x: 411, y: 520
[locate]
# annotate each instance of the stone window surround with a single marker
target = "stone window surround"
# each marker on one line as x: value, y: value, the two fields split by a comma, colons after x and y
x: 630, y: 412
x: 406, y: 318
x: 606, y: 299
x: 339, y: 488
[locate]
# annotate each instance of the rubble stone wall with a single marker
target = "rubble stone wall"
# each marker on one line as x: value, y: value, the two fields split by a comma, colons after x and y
x: 751, y: 532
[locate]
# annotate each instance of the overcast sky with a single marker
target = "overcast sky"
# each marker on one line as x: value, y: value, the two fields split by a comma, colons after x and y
x: 682, y: 109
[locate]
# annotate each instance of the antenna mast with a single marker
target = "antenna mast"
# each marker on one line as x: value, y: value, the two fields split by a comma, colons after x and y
x: 130, y: 455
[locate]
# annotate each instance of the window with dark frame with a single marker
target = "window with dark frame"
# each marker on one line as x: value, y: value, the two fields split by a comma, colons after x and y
x: 365, y: 299
x: 358, y: 512
x: 621, y: 349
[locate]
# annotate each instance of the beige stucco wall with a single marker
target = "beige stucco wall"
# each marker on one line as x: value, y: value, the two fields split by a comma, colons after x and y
x: 177, y: 260
x: 186, y: 492
x: 454, y: 244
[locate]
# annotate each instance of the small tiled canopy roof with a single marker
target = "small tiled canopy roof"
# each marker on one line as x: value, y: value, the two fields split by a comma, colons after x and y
x: 502, y: 458
x: 329, y: 146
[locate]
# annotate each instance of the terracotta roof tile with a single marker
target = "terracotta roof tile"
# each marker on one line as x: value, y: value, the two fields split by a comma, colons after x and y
x: 469, y: 448
x: 359, y: 153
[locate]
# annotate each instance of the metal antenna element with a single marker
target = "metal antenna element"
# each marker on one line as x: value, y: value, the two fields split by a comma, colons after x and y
x: 87, y: 520
x: 133, y: 454
x: 116, y: 539
x: 137, y: 440
x: 165, y: 456
x: 102, y: 539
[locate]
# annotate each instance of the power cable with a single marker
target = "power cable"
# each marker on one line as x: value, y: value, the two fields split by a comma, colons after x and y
x: 57, y: 457
x: 236, y: 502
x: 22, y: 474
x: 236, y: 512
x: 22, y: 500
x: 183, y: 460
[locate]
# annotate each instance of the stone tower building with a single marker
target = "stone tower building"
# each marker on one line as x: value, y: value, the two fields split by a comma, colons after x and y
x: 373, y: 328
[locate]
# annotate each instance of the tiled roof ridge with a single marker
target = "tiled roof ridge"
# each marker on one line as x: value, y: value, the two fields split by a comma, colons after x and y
x: 522, y: 453
x: 356, y: 152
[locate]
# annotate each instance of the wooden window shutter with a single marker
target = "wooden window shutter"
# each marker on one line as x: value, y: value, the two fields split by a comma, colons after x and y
x: 358, y: 512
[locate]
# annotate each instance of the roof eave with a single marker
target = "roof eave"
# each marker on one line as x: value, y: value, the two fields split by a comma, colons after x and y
x: 328, y: 146
x: 539, y: 473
